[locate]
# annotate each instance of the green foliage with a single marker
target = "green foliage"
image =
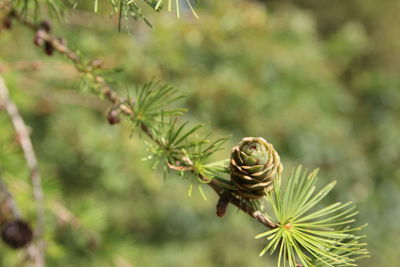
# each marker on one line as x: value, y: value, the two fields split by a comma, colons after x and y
x: 127, y: 9
x: 176, y: 145
x: 133, y: 8
x: 34, y: 9
x: 173, y: 139
x: 151, y: 102
x: 177, y: 6
x: 326, y: 98
x: 124, y: 9
x: 201, y: 152
x: 318, y: 238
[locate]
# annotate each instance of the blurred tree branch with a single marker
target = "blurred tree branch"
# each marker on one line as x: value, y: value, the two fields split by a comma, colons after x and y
x: 23, y: 137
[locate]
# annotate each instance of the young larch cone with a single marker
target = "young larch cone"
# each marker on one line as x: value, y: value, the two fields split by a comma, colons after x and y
x: 254, y: 164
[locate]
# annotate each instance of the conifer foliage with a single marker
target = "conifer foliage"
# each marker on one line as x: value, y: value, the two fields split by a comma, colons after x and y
x: 301, y: 230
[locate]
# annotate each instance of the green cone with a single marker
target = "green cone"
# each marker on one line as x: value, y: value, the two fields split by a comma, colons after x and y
x: 254, y: 164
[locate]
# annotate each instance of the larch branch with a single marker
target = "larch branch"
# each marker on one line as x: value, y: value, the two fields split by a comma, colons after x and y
x: 121, y: 104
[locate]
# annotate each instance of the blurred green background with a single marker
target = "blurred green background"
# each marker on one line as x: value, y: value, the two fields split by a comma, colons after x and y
x: 319, y: 79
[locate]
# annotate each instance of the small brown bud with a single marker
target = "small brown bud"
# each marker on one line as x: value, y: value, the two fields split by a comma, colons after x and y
x: 45, y: 25
x: 113, y: 117
x: 16, y: 234
x: 48, y: 48
x: 222, y: 204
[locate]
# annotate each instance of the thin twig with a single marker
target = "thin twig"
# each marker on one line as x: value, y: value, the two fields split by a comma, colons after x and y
x: 107, y: 91
x: 22, y: 132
